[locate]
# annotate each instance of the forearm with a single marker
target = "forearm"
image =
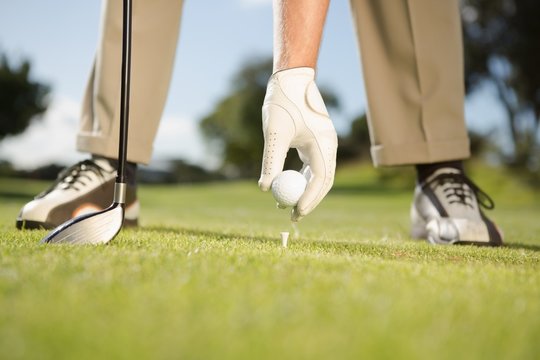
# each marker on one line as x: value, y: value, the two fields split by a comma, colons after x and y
x: 298, y: 27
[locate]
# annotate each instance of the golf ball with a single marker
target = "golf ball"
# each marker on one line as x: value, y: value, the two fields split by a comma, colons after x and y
x: 288, y: 187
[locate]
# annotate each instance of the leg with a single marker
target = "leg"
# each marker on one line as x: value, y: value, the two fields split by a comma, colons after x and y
x: 155, y: 35
x: 413, y: 65
x: 88, y: 186
x: 412, y: 59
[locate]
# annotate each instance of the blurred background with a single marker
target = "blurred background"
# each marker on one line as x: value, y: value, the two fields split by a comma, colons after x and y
x: 211, y: 124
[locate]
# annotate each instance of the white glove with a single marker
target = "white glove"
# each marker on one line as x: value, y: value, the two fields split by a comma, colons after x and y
x: 294, y: 116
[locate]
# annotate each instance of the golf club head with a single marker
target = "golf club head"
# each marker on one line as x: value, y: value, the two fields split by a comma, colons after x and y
x: 95, y: 228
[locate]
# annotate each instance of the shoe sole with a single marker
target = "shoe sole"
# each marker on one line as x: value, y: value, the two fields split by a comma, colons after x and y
x: 433, y: 241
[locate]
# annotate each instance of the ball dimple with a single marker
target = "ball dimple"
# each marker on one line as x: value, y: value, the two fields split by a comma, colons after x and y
x: 288, y: 187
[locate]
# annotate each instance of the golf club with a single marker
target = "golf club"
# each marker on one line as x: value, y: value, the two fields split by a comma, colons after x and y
x: 102, y: 226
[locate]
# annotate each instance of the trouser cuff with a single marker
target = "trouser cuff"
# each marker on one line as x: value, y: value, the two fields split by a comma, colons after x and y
x: 420, y: 152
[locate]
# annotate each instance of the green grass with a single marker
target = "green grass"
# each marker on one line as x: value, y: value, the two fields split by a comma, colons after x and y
x: 205, y: 278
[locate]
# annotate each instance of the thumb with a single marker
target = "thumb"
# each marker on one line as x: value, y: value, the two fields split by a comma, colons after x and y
x: 278, y: 130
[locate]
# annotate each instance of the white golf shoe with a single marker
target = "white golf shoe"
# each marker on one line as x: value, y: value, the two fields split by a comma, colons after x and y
x: 447, y: 210
x: 85, y: 187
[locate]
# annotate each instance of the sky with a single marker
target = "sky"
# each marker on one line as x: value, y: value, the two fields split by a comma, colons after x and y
x: 60, y: 38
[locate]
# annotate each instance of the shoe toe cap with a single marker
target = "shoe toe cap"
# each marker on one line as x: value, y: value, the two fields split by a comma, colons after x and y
x: 34, y: 211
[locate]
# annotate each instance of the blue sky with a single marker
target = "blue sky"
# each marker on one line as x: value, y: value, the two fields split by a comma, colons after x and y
x: 216, y: 38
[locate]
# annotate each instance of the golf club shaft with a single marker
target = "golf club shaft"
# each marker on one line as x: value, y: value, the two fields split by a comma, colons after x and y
x: 125, y: 89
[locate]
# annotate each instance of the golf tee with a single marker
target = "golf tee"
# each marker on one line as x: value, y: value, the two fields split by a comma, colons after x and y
x: 284, y: 238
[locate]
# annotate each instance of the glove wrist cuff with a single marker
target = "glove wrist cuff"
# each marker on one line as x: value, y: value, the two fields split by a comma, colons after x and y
x: 295, y: 71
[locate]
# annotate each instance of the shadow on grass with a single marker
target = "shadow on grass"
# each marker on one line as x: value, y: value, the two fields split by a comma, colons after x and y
x: 407, y: 250
x: 520, y: 246
x: 210, y: 234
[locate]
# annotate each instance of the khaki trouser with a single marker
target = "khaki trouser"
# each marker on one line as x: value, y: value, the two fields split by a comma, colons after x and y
x: 412, y: 57
x: 412, y: 63
x: 155, y: 29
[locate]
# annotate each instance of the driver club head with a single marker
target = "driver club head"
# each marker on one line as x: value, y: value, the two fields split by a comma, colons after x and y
x: 95, y: 228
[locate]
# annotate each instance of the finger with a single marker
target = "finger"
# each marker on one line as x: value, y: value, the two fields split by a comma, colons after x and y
x: 322, y: 155
x: 278, y: 130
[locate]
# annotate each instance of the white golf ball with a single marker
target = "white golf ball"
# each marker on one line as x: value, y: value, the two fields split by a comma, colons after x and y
x: 288, y: 187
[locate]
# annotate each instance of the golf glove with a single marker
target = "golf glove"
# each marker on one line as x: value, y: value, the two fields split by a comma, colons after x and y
x: 294, y: 116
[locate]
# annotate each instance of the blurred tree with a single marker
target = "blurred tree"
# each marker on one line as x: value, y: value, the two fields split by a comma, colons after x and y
x: 502, y: 46
x: 234, y: 126
x: 184, y: 172
x: 21, y: 99
x: 356, y: 144
x: 7, y: 169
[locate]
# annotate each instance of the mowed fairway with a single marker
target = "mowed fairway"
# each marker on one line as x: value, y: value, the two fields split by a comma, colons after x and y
x: 205, y: 277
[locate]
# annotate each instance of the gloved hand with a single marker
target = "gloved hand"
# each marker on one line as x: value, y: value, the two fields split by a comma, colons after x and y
x: 294, y: 116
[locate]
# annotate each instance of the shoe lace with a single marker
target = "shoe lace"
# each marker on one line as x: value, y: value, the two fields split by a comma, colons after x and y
x: 459, y: 189
x: 75, y: 176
